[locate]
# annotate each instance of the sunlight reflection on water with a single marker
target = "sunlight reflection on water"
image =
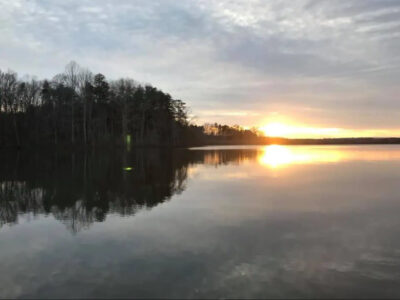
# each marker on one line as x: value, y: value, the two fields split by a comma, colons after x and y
x: 276, y: 156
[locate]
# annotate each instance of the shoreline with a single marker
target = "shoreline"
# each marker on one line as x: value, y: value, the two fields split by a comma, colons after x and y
x: 263, y: 141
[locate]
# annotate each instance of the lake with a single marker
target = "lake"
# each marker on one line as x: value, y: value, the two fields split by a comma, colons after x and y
x: 243, y: 222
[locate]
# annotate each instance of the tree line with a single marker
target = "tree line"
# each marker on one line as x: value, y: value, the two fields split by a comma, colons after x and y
x: 79, y: 107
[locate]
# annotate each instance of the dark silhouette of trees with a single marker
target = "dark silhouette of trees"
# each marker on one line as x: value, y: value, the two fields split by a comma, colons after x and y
x: 78, y: 107
x: 224, y: 134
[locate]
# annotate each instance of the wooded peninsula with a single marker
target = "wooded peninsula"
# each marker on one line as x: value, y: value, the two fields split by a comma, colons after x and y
x: 81, y: 108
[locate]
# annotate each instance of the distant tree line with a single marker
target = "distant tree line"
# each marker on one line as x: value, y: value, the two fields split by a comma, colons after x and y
x: 224, y: 134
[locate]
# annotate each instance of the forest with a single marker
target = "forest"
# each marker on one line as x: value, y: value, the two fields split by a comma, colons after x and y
x: 77, y: 107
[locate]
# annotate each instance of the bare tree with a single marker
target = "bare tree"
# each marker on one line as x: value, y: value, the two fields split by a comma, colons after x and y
x: 11, y: 102
x: 85, y: 80
x: 71, y: 79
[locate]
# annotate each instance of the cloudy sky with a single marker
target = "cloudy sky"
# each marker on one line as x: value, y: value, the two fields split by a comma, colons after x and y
x: 312, y: 63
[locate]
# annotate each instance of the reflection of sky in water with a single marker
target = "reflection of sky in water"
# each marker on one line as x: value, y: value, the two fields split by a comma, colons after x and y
x: 325, y: 224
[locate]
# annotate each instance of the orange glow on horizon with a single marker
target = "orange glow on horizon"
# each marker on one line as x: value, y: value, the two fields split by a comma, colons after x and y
x: 287, y: 130
x: 277, y: 129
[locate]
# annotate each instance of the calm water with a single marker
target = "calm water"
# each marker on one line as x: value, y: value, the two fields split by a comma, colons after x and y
x: 209, y: 222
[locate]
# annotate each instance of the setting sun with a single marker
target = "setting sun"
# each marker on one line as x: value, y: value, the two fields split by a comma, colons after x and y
x: 276, y: 129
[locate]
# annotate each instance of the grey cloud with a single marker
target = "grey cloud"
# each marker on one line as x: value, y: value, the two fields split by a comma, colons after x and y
x: 352, y: 8
x: 382, y: 18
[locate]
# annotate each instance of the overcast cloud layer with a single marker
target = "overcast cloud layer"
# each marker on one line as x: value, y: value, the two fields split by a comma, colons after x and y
x: 323, y: 63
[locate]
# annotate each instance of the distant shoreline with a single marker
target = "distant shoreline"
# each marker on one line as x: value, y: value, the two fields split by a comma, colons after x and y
x: 340, y: 141
x: 261, y: 141
x: 323, y: 141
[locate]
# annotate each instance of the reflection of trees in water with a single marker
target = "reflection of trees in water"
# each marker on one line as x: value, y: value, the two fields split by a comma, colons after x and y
x: 223, y: 157
x: 15, y: 198
x: 218, y: 157
x: 82, y: 188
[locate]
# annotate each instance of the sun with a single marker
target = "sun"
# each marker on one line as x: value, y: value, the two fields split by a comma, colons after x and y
x: 275, y: 129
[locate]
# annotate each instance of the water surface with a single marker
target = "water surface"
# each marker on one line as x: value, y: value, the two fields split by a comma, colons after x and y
x: 243, y: 222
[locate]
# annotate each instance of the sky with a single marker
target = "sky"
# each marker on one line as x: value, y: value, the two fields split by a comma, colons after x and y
x: 299, y: 67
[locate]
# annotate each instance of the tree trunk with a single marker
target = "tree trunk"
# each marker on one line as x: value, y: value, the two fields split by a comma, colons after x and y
x: 72, y: 123
x: 142, y: 127
x: 84, y: 122
x: 124, y: 122
x: 16, y: 131
x: 55, y: 124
